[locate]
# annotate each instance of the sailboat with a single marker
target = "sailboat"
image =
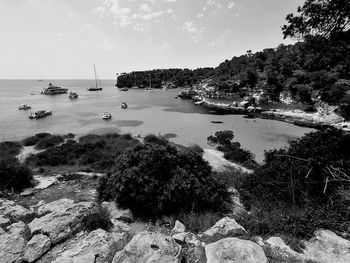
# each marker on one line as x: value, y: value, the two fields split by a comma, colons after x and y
x: 150, y: 84
x: 96, y: 82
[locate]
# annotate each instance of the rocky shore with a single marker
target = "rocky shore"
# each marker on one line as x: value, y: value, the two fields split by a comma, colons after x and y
x: 52, y: 232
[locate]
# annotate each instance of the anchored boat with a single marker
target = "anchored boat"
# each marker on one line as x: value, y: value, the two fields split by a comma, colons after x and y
x: 24, y: 107
x: 39, y: 114
x: 106, y: 116
x: 54, y: 90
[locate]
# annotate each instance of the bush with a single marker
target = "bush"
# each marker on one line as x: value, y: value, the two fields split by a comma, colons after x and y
x: 97, y: 218
x: 198, y: 222
x: 49, y: 141
x: 9, y: 149
x: 160, y: 140
x: 14, y: 176
x: 30, y: 141
x: 153, y: 179
x: 232, y: 150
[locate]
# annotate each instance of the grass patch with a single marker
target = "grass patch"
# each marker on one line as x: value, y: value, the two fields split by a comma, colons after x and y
x: 98, y: 218
x: 198, y: 222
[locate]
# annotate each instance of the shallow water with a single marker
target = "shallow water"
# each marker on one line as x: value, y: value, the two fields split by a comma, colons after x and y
x: 155, y: 112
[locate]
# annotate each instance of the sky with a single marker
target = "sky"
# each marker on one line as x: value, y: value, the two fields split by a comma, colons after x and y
x: 50, y: 39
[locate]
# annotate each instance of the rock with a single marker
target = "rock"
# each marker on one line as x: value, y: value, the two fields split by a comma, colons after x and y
x: 36, y: 247
x: 178, y: 228
x: 237, y: 207
x: 119, y: 226
x: 98, y: 245
x: 61, y: 223
x: 58, y: 206
x: 18, y: 213
x: 234, y: 250
x: 4, y: 222
x: 117, y: 213
x: 2, y: 232
x: 149, y: 247
x: 186, y: 238
x: 327, y: 247
x: 279, y: 251
x: 44, y: 181
x: 19, y: 228
x: 11, y: 247
x: 121, y: 233
x: 226, y: 227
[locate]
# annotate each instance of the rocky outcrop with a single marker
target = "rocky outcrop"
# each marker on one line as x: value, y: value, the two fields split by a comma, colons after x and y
x: 57, y: 206
x: 16, y: 212
x: 234, y: 250
x: 226, y: 227
x: 96, y: 247
x: 118, y: 213
x: 4, y: 222
x: 19, y: 228
x: 149, y: 247
x: 327, y: 247
x: 2, y: 232
x: 178, y: 228
x: 36, y: 247
x: 11, y: 247
x: 279, y: 251
x: 62, y: 220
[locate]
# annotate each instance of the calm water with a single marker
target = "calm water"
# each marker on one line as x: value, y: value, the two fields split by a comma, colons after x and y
x: 155, y: 112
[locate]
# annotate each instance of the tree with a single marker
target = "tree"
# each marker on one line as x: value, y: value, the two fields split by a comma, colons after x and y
x: 154, y: 179
x: 318, y: 17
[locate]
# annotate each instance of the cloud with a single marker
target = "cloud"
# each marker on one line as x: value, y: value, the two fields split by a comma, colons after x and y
x: 194, y: 30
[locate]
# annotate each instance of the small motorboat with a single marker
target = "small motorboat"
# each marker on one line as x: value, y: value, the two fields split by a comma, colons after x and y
x: 39, y: 114
x: 24, y: 107
x: 124, y: 89
x: 73, y: 95
x: 217, y: 122
x: 106, y: 116
x: 124, y: 105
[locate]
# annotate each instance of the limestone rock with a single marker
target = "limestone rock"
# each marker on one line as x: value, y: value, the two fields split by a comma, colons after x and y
x: 279, y: 251
x: 11, y: 247
x: 234, y: 250
x: 193, y: 254
x: 36, y: 247
x: 226, y: 227
x: 61, y: 223
x: 178, y: 228
x: 56, y: 206
x: 18, y: 212
x: 2, y: 232
x: 186, y: 238
x: 149, y: 247
x: 98, y: 245
x: 327, y: 247
x: 4, y: 222
x: 19, y: 228
x: 117, y: 213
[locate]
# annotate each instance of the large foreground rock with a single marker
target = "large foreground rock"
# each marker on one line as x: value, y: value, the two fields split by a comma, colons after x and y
x: 226, y: 227
x: 19, y: 228
x: 327, y: 247
x: 147, y: 247
x: 97, y: 247
x: 36, y: 247
x: 11, y: 247
x: 234, y: 250
x: 60, y: 224
x: 18, y: 212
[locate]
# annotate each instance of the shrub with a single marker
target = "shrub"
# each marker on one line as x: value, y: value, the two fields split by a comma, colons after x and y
x: 196, y: 148
x: 160, y: 140
x: 49, y: 141
x: 198, y: 222
x: 232, y: 150
x: 97, y: 218
x: 30, y: 141
x: 14, y: 176
x: 9, y: 149
x: 152, y: 179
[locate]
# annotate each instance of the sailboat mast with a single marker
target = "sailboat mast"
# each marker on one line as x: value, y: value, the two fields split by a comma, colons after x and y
x: 95, y: 76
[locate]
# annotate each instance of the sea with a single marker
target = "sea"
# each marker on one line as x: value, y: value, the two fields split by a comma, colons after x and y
x: 149, y: 112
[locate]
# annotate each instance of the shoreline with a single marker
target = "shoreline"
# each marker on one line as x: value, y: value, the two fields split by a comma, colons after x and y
x: 296, y: 117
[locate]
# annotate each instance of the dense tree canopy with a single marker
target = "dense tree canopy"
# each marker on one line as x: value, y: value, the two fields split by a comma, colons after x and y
x: 318, y: 17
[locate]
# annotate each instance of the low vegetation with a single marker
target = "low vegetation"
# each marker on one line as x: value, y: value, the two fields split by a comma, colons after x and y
x: 9, y: 149
x: 232, y: 150
x: 95, y: 151
x: 14, y: 177
x: 155, y: 178
x: 300, y: 188
x: 97, y: 218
